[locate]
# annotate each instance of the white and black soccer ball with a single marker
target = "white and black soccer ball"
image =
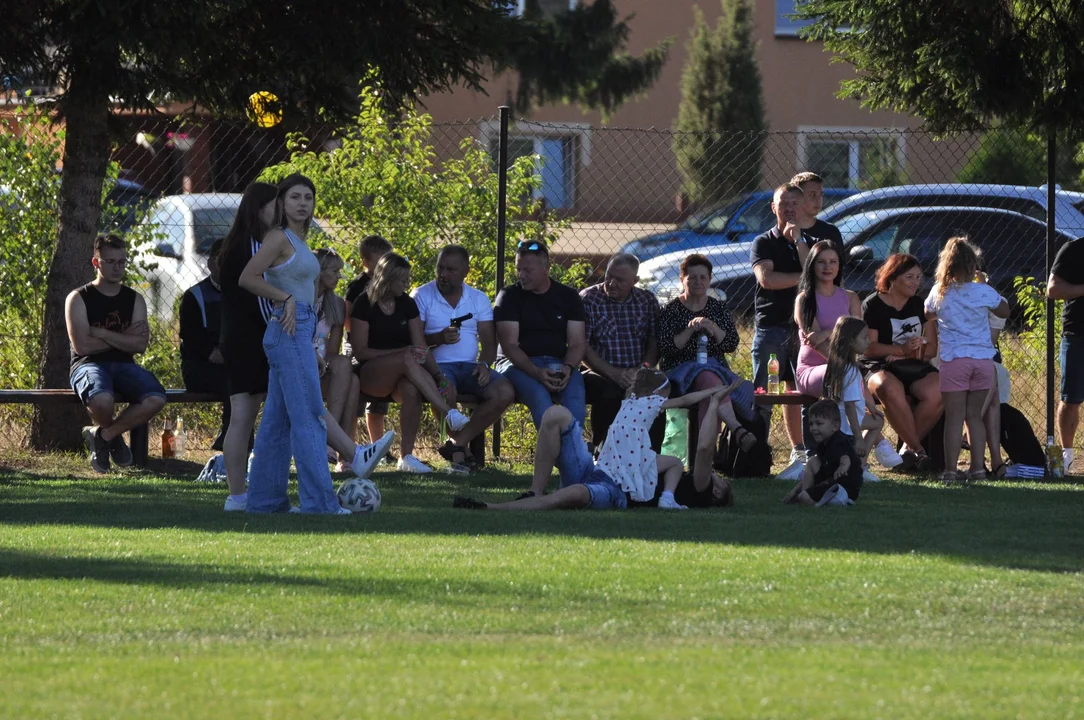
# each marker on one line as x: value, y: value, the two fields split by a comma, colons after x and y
x: 359, y: 495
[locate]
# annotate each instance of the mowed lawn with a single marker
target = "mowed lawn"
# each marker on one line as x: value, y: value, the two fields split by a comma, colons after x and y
x: 135, y: 596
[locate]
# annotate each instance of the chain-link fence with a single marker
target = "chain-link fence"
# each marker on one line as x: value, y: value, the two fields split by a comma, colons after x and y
x: 590, y: 191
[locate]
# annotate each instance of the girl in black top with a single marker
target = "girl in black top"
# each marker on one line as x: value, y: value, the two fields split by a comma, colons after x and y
x: 244, y: 320
x: 387, y: 338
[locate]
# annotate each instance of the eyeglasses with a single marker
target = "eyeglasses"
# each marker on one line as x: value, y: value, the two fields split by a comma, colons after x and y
x: 531, y: 246
x: 115, y: 263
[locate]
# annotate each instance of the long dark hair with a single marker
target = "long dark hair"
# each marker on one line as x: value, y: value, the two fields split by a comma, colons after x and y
x: 841, y: 355
x: 284, y: 185
x: 807, y: 284
x: 247, y: 224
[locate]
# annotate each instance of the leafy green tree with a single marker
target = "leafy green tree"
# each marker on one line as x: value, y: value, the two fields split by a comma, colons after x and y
x: 960, y: 64
x: 384, y: 179
x: 721, y: 127
x: 1010, y: 157
x: 580, y: 56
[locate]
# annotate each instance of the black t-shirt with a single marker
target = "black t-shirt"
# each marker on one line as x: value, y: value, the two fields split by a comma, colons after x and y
x: 356, y: 287
x: 1069, y: 266
x: 110, y: 312
x: 387, y: 332
x: 775, y: 308
x: 543, y: 319
x: 893, y: 326
x: 821, y: 230
x: 830, y: 452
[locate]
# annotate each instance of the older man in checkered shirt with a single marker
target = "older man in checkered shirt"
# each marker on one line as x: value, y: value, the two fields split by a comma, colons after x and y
x: 620, y: 339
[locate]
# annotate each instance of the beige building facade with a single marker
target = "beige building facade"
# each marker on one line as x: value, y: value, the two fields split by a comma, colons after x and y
x: 624, y: 170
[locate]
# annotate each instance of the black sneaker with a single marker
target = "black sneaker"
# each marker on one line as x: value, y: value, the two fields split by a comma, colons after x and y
x: 99, y: 449
x: 119, y: 452
x: 450, y: 450
x: 466, y: 503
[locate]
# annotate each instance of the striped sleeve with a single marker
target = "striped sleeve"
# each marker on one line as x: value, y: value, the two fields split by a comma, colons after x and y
x: 266, y: 306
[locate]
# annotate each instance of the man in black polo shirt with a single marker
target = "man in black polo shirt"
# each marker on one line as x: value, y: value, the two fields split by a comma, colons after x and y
x: 1067, y: 283
x: 540, y: 326
x: 777, y: 258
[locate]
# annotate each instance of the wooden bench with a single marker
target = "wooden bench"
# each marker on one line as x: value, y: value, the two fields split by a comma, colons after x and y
x: 139, y: 435
x: 787, y: 398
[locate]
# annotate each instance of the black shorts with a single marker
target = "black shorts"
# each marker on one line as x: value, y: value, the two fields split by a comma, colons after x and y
x: 376, y: 406
x: 248, y: 369
x: 909, y: 371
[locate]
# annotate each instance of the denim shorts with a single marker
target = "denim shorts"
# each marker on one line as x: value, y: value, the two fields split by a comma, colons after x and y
x: 1071, y: 357
x: 127, y: 382
x: 578, y: 468
x: 461, y: 374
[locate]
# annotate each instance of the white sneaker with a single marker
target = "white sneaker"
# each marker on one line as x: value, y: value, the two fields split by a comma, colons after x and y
x: 342, y: 511
x: 835, y: 497
x: 798, y: 455
x: 233, y: 505
x: 367, y: 457
x: 457, y: 420
x: 867, y: 476
x: 411, y: 464
x: 886, y: 455
x: 294, y: 510
x: 669, y: 503
x: 793, y: 471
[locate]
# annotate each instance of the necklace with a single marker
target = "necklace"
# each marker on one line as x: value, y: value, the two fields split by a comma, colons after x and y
x: 386, y: 306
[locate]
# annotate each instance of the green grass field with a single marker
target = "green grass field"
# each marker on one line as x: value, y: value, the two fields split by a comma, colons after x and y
x: 135, y: 596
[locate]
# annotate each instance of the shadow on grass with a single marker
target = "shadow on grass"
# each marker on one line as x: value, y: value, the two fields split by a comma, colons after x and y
x: 1035, y: 527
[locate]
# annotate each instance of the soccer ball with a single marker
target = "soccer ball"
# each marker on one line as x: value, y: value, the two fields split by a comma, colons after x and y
x: 359, y: 495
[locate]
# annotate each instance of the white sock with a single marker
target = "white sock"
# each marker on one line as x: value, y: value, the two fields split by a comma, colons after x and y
x: 1067, y: 457
x: 666, y: 495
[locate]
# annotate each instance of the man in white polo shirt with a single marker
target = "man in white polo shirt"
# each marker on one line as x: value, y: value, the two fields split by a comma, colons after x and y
x: 458, y: 320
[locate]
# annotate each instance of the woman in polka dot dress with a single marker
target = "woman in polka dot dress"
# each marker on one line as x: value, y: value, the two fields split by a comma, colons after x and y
x: 627, y: 468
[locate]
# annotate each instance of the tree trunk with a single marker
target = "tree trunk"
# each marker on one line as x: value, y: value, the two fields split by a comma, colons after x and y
x: 86, y: 157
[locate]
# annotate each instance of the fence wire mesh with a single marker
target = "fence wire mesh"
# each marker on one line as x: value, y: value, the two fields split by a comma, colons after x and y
x: 589, y: 191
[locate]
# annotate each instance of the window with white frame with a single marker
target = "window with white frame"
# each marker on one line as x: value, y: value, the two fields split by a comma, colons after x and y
x: 548, y: 7
x: 853, y: 158
x: 786, y: 26
x: 560, y: 151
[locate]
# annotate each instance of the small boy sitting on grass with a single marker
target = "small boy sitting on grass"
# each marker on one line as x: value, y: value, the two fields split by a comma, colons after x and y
x: 835, y: 463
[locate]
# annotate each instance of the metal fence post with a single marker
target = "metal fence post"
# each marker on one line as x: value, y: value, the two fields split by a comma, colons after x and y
x: 1051, y: 146
x: 502, y: 227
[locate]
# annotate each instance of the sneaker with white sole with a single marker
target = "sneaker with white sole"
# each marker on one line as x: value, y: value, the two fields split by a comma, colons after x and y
x: 886, y: 455
x: 867, y: 476
x: 836, y: 496
x: 411, y: 464
x: 119, y: 452
x: 457, y: 420
x: 669, y: 503
x: 798, y: 454
x: 793, y: 471
x: 234, y: 505
x: 98, y: 448
x: 367, y: 457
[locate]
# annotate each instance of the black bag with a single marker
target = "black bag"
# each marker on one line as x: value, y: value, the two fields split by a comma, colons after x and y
x: 732, y: 462
x: 1018, y: 438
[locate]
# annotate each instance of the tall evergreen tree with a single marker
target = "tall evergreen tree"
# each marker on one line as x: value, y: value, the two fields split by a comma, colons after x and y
x: 719, y: 143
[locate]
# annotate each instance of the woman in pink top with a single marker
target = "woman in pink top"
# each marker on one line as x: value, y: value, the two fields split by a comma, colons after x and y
x: 820, y: 302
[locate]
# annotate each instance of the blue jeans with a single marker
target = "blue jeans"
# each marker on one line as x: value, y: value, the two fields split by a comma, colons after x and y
x: 577, y: 467
x: 782, y: 341
x: 537, y: 398
x: 293, y: 419
x: 125, y: 381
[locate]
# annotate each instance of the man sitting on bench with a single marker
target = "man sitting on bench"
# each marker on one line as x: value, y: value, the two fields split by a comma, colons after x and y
x: 107, y: 326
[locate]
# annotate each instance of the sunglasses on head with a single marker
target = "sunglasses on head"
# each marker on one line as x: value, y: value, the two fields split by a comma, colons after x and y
x: 531, y: 246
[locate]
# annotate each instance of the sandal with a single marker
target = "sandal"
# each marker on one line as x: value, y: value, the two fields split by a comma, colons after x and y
x: 999, y: 471
x: 976, y: 475
x: 951, y: 478
x: 746, y: 440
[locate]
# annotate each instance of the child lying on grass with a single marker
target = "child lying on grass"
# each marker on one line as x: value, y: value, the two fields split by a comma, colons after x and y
x: 627, y: 467
x: 834, y: 474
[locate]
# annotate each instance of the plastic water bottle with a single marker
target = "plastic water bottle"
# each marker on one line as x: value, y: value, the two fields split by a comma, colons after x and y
x: 773, y: 375
x: 702, y: 350
x: 1054, y: 464
x: 180, y: 440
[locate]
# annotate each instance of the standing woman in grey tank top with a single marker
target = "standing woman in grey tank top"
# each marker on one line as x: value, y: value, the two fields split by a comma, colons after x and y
x: 295, y: 422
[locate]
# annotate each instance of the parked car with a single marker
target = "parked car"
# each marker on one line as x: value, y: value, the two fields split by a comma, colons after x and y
x: 1030, y: 201
x: 185, y: 227
x: 1013, y: 245
x: 736, y: 222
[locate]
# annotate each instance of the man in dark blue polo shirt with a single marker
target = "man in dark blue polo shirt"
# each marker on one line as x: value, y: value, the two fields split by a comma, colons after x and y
x: 777, y: 258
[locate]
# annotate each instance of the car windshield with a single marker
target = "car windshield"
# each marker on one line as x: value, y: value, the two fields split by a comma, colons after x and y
x: 212, y: 224
x: 708, y: 220
x: 852, y: 226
